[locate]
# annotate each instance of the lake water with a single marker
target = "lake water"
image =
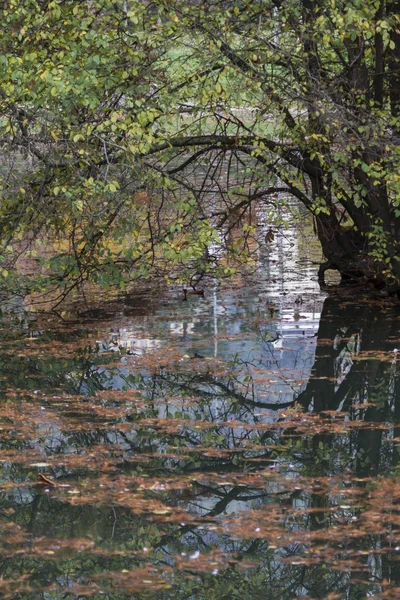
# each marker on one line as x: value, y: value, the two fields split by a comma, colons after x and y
x: 241, y: 445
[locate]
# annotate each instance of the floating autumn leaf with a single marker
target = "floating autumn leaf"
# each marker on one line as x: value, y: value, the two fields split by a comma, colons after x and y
x: 46, y: 480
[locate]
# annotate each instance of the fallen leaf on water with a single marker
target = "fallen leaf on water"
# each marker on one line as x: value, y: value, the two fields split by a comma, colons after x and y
x: 46, y: 480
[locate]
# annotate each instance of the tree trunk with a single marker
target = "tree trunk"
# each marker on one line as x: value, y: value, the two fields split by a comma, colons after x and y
x: 347, y: 251
x: 393, y: 11
x: 344, y: 251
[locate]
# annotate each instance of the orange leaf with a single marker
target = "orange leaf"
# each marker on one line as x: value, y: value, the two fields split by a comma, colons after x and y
x: 44, y: 479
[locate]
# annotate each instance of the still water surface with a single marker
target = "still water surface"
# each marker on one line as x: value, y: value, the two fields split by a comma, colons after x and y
x: 243, y: 445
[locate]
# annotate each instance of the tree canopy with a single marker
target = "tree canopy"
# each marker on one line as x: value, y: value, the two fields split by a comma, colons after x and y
x: 144, y: 138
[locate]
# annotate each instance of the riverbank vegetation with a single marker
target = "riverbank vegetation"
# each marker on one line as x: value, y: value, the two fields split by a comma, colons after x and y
x: 145, y: 139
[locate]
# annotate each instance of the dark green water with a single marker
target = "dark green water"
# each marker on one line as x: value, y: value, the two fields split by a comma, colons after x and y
x: 243, y: 445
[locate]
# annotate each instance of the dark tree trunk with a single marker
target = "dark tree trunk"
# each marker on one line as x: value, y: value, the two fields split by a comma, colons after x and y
x: 347, y: 250
x: 393, y: 10
x: 366, y: 249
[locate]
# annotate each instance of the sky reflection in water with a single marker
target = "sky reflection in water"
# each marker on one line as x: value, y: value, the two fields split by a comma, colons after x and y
x: 240, y: 445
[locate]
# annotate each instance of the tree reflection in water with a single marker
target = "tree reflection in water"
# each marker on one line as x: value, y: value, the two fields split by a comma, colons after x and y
x: 173, y: 476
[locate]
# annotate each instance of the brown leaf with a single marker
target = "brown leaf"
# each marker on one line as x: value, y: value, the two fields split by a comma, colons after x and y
x: 45, y: 480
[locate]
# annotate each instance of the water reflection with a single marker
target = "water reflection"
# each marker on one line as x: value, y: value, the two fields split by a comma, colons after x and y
x: 241, y: 445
